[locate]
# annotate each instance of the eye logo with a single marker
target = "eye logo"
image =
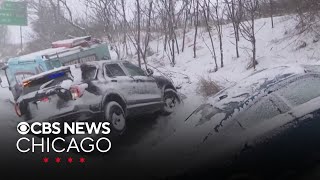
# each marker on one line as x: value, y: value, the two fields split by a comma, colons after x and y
x: 23, y: 128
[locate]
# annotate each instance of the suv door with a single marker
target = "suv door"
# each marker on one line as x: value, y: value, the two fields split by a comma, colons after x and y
x: 118, y: 81
x: 146, y: 86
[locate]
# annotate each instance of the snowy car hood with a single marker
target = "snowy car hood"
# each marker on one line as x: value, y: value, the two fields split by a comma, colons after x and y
x: 233, y: 99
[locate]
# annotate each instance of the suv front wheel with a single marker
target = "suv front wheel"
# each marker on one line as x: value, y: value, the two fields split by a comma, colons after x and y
x: 171, y: 100
x: 115, y: 115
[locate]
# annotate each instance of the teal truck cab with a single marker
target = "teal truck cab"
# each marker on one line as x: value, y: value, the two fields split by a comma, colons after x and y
x: 63, y: 53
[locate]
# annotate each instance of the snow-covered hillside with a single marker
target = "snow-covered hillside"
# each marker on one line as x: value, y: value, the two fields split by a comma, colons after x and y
x: 275, y: 47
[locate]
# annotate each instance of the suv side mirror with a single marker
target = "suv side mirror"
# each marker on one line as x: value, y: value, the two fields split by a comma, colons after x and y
x: 149, y: 72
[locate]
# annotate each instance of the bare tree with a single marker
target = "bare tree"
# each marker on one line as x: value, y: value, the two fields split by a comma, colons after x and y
x: 187, y: 13
x: 51, y: 23
x: 138, y: 39
x: 163, y: 13
x: 124, y: 25
x: 70, y: 18
x: 205, y: 10
x: 247, y: 29
x: 172, y: 31
x: 168, y: 20
x: 104, y: 23
x: 271, y: 12
x: 174, y: 23
x: 308, y: 16
x: 235, y: 13
x: 148, y: 34
x: 196, y: 23
x: 218, y: 16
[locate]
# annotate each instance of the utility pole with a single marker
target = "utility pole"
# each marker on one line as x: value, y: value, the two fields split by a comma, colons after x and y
x: 21, y: 43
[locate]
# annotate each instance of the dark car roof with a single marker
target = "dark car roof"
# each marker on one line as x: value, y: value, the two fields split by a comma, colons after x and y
x: 236, y: 97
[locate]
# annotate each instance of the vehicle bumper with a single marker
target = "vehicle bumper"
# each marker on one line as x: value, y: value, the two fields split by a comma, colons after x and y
x: 77, y: 113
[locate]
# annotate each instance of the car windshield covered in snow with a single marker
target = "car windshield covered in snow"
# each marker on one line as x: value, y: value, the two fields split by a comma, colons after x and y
x: 263, y: 99
x: 301, y: 90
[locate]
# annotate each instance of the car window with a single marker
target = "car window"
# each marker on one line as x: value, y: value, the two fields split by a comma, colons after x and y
x: 134, y: 70
x: 301, y: 90
x: 53, y: 64
x: 264, y: 109
x: 114, y: 70
x: 108, y: 72
x: 89, y: 73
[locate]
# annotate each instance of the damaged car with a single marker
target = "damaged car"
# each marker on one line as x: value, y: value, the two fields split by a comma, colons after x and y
x: 110, y: 91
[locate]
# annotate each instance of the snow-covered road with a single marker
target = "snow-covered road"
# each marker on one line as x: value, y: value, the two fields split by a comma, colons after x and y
x: 8, y: 123
x: 8, y: 118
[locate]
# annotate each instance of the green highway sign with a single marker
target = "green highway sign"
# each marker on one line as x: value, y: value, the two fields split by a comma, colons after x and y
x: 14, y: 13
x: 22, y: 6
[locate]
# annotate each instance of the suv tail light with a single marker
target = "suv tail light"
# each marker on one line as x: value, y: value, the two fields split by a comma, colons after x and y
x: 17, y: 109
x: 45, y: 99
x: 76, y: 92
